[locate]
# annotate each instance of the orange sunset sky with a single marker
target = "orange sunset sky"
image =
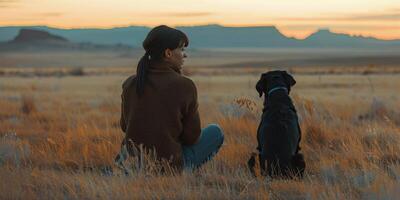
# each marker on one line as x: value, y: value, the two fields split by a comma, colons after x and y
x: 298, y: 18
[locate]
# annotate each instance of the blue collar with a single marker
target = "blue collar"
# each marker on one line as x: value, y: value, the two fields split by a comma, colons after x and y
x: 277, y: 88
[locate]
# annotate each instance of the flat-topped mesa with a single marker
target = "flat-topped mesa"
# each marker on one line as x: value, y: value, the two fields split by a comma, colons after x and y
x: 31, y: 35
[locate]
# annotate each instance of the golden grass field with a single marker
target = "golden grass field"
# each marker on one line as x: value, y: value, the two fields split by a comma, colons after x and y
x: 58, y: 133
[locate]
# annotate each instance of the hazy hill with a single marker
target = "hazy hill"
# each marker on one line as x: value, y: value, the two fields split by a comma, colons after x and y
x: 326, y: 38
x: 40, y: 40
x: 253, y: 46
x: 218, y: 36
x: 132, y: 36
x: 30, y: 35
x: 213, y: 36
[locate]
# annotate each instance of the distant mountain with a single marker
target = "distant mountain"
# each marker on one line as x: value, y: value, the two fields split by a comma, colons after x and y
x: 215, y: 36
x: 29, y: 35
x: 326, y: 38
x: 40, y: 40
x: 212, y: 36
x: 132, y: 36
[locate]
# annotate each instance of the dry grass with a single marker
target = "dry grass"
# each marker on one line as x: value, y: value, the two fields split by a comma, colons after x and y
x: 196, y: 71
x: 57, y: 135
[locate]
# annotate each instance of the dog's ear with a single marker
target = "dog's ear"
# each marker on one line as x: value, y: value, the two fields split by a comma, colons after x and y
x: 288, y: 79
x: 261, y: 85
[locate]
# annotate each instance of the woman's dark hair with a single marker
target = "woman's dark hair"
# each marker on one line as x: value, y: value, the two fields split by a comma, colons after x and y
x: 157, y: 41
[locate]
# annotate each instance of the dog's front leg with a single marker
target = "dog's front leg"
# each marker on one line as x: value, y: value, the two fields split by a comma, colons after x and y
x: 262, y: 160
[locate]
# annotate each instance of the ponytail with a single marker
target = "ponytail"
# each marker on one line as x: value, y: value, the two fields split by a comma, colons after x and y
x: 141, y: 73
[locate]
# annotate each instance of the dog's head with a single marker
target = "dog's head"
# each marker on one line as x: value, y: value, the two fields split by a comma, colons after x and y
x: 273, y: 79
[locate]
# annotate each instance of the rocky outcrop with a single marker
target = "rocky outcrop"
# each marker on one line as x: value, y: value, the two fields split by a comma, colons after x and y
x: 31, y: 35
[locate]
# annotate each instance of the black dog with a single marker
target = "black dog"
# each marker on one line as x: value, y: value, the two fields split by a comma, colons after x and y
x: 279, y: 133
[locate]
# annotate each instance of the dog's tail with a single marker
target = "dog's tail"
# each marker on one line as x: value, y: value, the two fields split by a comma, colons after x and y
x: 252, y: 163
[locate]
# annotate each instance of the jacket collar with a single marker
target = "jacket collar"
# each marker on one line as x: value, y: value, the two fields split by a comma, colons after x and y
x: 161, y: 66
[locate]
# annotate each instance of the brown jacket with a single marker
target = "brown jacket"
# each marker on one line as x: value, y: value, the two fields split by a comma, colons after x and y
x: 165, y: 117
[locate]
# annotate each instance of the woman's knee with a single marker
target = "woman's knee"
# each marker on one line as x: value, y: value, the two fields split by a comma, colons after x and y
x: 217, y: 132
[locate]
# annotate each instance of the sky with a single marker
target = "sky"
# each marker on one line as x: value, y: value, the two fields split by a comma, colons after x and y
x: 295, y: 18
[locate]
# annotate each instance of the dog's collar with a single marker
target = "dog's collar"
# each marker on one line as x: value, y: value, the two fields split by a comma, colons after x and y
x: 277, y: 88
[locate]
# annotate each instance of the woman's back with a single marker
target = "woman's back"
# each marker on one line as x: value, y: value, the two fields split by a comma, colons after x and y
x: 159, y: 106
x: 165, y: 116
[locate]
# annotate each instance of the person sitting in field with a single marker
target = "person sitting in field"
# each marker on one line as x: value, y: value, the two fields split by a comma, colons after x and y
x: 159, y: 108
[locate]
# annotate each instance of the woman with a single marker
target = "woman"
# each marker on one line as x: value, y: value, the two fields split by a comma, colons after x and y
x: 159, y: 105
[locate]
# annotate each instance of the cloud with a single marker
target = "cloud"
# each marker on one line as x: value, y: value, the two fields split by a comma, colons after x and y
x: 364, y: 17
x: 393, y: 16
x: 50, y: 14
x: 350, y: 26
x: 187, y: 14
x: 396, y: 10
x: 37, y: 17
x: 8, y: 3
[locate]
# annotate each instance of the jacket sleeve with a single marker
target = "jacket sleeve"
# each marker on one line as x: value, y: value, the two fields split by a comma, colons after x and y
x: 191, y: 119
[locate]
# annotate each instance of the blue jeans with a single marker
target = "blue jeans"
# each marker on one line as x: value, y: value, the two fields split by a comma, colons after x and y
x: 210, y: 141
